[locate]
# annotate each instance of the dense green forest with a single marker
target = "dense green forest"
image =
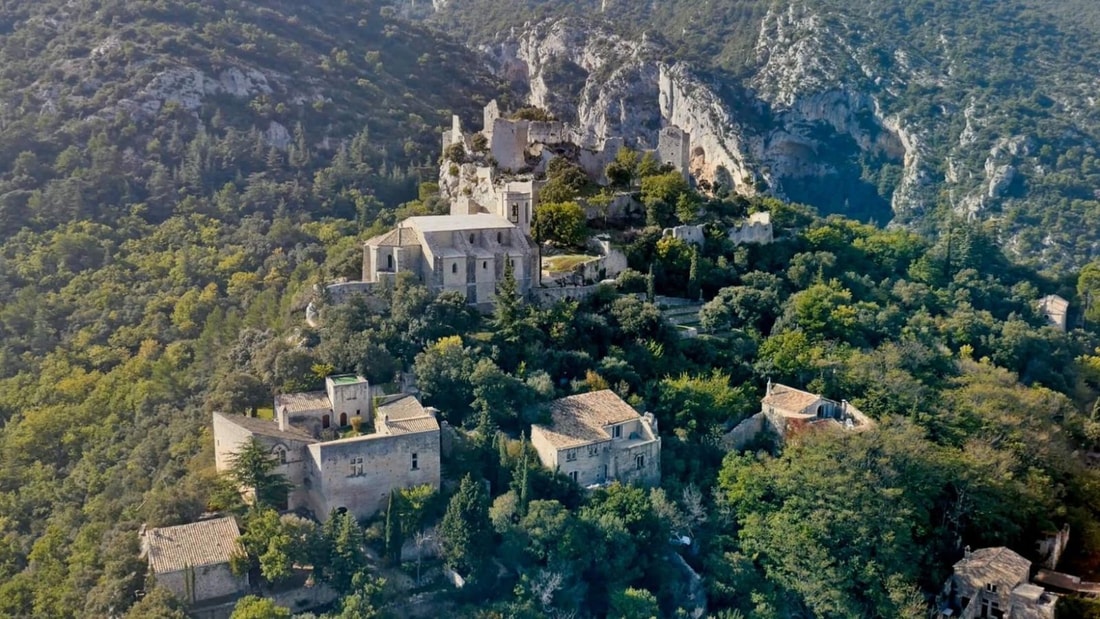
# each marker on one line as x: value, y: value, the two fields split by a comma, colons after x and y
x: 155, y: 266
x: 1023, y: 71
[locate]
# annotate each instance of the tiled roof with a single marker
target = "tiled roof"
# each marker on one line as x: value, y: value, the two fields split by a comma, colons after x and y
x: 456, y: 223
x: 789, y: 398
x: 264, y: 427
x: 398, y: 237
x: 998, y: 565
x: 404, y: 415
x: 580, y: 419
x: 210, y: 542
x: 299, y: 402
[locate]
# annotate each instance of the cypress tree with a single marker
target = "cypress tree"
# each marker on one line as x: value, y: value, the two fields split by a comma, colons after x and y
x: 394, y: 534
x: 465, y: 533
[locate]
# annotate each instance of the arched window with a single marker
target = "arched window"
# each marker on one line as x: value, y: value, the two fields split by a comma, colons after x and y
x: 279, y: 453
x: 343, y: 419
x: 454, y: 268
x: 325, y: 421
x: 389, y: 262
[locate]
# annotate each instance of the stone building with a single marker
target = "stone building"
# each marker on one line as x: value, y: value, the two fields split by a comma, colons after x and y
x: 460, y: 253
x: 596, y: 438
x: 994, y: 582
x: 192, y: 560
x: 330, y: 466
x: 1056, y: 309
x: 788, y: 410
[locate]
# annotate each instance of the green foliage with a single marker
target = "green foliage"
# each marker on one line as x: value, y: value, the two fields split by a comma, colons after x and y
x: 252, y: 607
x: 562, y: 224
x: 252, y: 467
x: 532, y: 113
x: 394, y: 529
x: 465, y: 532
x: 633, y: 603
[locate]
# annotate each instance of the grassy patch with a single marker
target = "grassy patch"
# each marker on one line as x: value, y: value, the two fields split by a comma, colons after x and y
x: 565, y: 262
x: 265, y: 412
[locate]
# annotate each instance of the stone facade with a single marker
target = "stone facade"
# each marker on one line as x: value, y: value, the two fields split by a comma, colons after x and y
x: 327, y: 471
x: 460, y: 253
x: 789, y: 410
x: 757, y: 229
x: 1056, y: 309
x: 192, y: 560
x: 597, y: 438
x: 994, y: 582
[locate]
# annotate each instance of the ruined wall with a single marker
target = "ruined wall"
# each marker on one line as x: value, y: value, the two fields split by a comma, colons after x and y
x: 744, y: 433
x: 508, y: 144
x: 693, y: 235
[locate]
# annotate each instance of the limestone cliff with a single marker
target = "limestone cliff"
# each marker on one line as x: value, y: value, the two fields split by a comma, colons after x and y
x: 772, y: 136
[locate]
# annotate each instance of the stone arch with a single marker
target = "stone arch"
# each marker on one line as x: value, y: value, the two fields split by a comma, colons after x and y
x: 343, y: 419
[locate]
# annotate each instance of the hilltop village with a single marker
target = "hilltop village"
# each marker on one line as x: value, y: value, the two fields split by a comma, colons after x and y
x: 371, y: 451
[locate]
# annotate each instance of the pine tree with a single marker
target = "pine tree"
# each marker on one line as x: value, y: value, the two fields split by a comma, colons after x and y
x: 394, y: 534
x: 252, y: 467
x: 465, y: 533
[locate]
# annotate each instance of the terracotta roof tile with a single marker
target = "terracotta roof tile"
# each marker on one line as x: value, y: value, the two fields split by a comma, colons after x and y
x: 298, y: 402
x: 790, y: 399
x: 265, y: 427
x: 404, y: 415
x: 581, y: 419
x: 210, y: 542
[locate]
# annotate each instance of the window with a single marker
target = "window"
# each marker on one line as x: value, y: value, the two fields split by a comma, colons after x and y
x: 515, y: 211
x: 471, y: 238
x: 593, y: 451
x: 571, y: 455
x: 325, y: 421
x: 639, y: 461
x: 389, y: 262
x: 415, y: 465
x: 573, y: 476
x: 454, y: 268
x: 356, y: 467
x: 617, y: 432
x: 280, y: 455
x: 343, y: 419
x: 500, y: 238
x: 992, y: 588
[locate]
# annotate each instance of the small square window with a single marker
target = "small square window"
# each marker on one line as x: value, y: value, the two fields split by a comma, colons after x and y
x: 571, y: 455
x: 639, y: 461
x: 617, y: 432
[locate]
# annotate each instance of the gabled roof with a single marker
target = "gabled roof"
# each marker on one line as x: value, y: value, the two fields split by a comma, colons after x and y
x: 209, y: 542
x: 456, y: 223
x: 404, y: 415
x: 398, y: 237
x: 300, y: 402
x: 264, y: 427
x: 789, y: 398
x: 998, y: 565
x: 581, y: 419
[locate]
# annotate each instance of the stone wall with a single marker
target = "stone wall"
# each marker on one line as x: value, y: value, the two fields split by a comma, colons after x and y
x: 341, y: 292
x: 744, y: 433
x: 206, y: 582
x: 386, y: 465
x: 228, y: 438
x: 553, y: 294
x: 693, y: 235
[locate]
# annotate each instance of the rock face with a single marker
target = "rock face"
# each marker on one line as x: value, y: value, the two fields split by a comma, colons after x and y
x: 800, y: 125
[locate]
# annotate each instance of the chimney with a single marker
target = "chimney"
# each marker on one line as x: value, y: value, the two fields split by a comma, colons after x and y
x: 769, y: 391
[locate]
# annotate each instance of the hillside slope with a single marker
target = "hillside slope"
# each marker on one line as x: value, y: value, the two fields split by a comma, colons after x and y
x: 174, y: 178
x: 989, y: 105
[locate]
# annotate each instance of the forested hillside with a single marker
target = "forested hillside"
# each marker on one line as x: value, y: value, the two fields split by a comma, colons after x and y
x: 176, y: 177
x: 996, y: 98
x: 164, y: 170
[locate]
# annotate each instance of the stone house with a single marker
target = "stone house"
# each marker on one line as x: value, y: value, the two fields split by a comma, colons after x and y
x: 596, y: 438
x: 192, y: 560
x: 994, y: 582
x: 789, y: 410
x: 460, y: 253
x: 327, y: 465
x: 1056, y: 309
